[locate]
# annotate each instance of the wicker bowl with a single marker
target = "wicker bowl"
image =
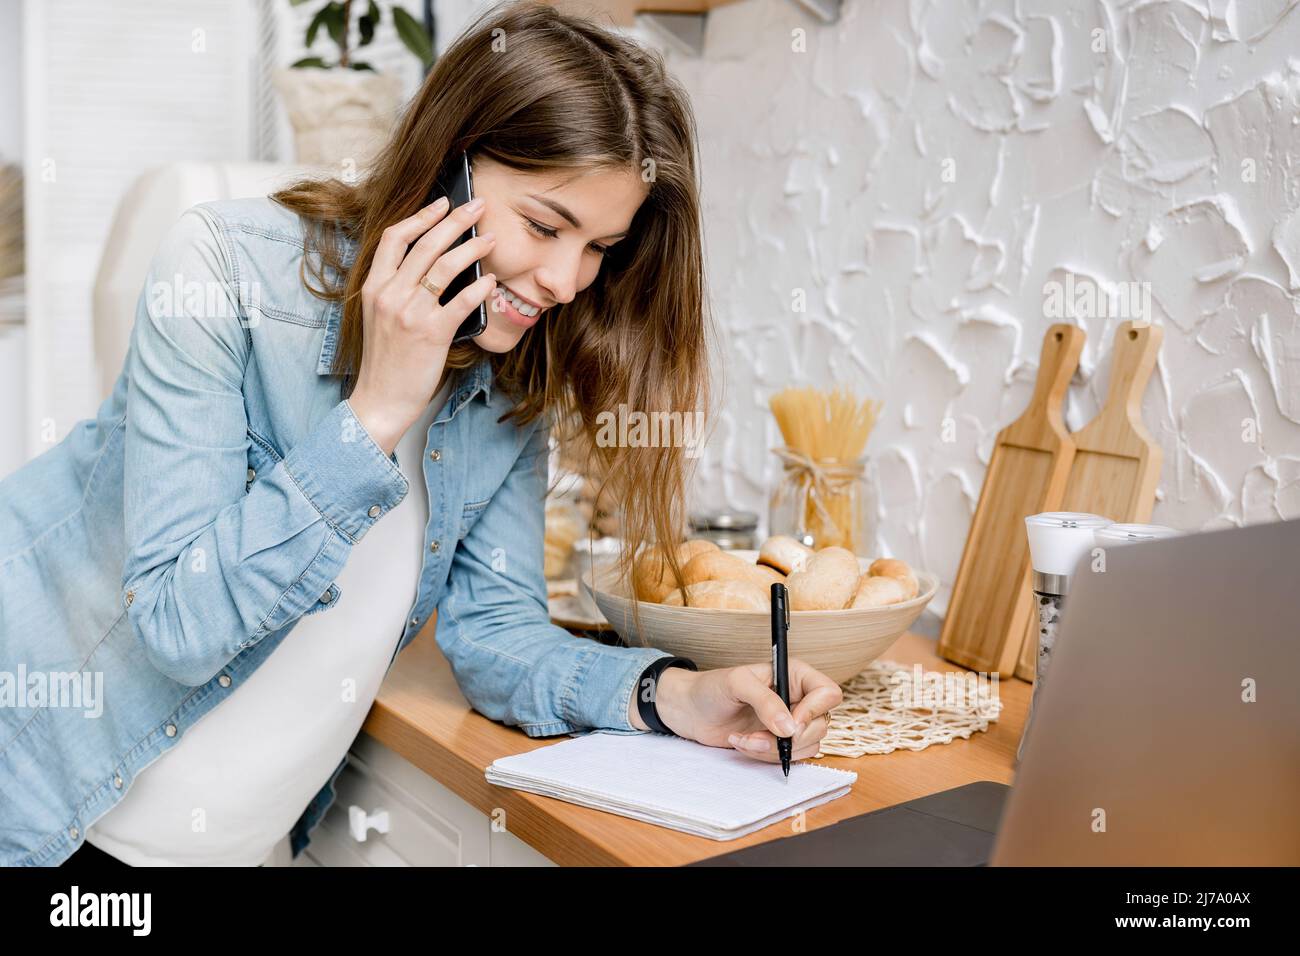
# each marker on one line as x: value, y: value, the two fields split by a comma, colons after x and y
x: 840, y: 644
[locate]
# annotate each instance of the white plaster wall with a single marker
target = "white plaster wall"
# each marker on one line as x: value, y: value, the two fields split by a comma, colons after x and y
x: 824, y: 171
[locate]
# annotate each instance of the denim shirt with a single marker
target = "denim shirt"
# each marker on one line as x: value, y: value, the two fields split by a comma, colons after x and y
x: 154, y: 558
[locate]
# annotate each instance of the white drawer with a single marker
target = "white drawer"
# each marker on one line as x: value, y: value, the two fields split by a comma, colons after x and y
x: 428, y: 824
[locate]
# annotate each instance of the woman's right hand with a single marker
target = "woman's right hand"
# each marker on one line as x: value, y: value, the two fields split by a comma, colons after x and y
x: 407, y: 333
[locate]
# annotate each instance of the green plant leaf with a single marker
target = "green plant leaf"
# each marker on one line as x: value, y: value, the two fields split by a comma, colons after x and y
x: 316, y: 22
x: 296, y: 3
x: 369, y: 20
x: 337, y: 26
x: 412, y: 35
x: 363, y: 66
x: 310, y: 61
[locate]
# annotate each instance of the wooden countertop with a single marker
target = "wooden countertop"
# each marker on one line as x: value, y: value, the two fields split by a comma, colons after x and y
x: 421, y: 714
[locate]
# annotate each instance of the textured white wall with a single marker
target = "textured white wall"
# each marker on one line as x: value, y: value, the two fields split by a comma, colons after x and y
x: 923, y: 170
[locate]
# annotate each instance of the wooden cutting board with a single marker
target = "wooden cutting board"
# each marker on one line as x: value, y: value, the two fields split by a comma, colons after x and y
x: 991, y: 599
x: 1116, y: 462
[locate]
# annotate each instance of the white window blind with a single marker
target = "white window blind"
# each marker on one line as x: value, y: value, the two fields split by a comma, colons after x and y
x: 111, y: 90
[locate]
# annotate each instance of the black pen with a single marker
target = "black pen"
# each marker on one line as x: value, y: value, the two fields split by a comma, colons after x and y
x: 781, y: 661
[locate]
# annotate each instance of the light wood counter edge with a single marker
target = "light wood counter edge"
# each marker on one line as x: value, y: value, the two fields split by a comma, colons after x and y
x: 421, y: 714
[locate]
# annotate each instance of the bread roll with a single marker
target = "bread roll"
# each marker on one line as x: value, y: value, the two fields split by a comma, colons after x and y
x: 689, y: 549
x: 732, y: 595
x: 562, y: 527
x: 877, y: 591
x: 652, y: 578
x: 899, y: 570
x: 647, y: 576
x: 827, y: 583
x: 784, y: 553
x: 721, y: 566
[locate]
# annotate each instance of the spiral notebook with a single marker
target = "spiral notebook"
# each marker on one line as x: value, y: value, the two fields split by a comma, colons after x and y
x: 711, y: 792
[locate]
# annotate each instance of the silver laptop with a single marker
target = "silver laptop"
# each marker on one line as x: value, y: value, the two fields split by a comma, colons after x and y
x: 1167, y: 731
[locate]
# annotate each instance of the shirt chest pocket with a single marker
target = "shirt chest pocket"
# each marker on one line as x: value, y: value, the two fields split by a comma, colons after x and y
x: 262, y: 458
x: 472, y: 511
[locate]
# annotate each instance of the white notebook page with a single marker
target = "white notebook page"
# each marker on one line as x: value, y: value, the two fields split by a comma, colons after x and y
x: 678, y: 783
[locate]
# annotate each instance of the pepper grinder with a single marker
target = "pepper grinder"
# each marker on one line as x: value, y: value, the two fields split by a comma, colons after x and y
x: 1057, y: 540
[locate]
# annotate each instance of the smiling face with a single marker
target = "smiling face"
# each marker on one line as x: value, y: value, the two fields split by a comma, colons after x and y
x: 550, y: 230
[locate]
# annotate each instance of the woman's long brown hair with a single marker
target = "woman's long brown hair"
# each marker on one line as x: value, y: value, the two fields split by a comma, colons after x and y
x: 539, y: 90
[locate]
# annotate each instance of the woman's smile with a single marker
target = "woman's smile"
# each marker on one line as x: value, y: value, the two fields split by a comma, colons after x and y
x: 504, y: 305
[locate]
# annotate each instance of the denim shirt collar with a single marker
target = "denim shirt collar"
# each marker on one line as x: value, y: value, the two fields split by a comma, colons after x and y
x: 479, y: 377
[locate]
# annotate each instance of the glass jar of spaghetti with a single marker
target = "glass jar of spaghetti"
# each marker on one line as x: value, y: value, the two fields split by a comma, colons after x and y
x: 824, y: 502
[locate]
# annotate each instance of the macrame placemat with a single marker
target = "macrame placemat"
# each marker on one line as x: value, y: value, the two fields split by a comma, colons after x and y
x: 869, y: 721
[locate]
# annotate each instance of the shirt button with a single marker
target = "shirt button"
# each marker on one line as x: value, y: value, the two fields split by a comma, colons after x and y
x: 434, y: 546
x: 326, y: 598
x: 224, y: 680
x: 414, y: 621
x: 170, y: 730
x: 435, y: 454
x: 117, y: 780
x: 130, y: 596
x: 374, y: 511
x: 74, y: 833
x: 251, y: 474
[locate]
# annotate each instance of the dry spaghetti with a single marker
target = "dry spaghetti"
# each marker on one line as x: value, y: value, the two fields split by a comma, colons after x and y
x: 825, y: 434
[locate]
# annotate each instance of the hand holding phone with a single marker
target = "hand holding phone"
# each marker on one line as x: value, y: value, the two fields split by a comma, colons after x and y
x: 408, y: 330
x: 456, y: 182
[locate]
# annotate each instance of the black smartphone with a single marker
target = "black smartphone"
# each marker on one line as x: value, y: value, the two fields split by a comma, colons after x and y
x: 457, y: 182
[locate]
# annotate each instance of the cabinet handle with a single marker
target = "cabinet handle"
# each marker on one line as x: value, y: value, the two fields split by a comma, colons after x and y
x: 359, y: 822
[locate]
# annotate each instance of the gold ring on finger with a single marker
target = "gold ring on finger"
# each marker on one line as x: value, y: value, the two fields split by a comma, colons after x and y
x: 424, y: 281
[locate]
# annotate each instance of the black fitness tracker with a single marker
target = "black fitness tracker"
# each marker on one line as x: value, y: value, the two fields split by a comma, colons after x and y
x: 646, y: 708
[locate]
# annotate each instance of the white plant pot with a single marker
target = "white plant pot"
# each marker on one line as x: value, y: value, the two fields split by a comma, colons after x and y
x: 339, y: 116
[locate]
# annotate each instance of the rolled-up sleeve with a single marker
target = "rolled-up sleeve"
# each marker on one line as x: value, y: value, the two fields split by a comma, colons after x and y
x: 213, y: 566
x: 511, y: 662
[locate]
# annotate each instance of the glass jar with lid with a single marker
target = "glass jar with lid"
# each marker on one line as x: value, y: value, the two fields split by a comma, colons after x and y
x: 728, y: 529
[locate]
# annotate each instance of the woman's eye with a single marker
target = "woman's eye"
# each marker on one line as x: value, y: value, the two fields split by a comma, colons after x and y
x: 537, y: 227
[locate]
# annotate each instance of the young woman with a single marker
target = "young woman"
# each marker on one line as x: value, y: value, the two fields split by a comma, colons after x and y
x: 297, y: 467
